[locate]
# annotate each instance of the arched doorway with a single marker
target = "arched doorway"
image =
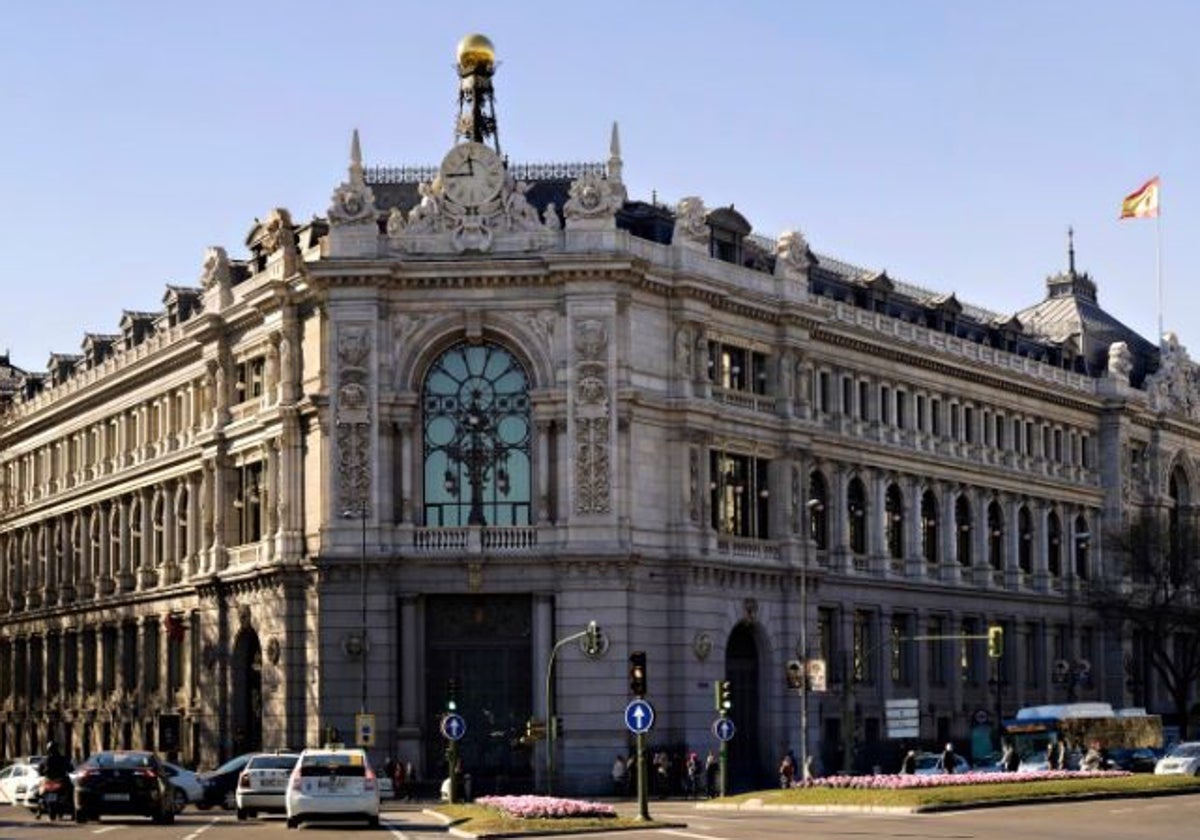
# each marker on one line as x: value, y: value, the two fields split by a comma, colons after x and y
x: 246, y: 711
x: 747, y: 770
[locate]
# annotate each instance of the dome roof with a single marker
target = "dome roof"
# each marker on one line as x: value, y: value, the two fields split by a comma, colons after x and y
x: 476, y: 51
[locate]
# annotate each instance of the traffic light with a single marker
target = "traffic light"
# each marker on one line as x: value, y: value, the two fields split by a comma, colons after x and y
x: 451, y: 694
x: 723, y: 696
x: 637, y: 673
x: 591, y: 642
x: 995, y: 641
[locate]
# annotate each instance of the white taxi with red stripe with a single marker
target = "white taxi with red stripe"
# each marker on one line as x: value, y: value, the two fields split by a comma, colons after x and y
x: 336, y: 784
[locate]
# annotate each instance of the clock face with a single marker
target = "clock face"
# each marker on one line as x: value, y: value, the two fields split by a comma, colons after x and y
x: 472, y: 174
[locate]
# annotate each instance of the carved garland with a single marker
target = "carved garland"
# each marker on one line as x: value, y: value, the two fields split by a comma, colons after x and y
x: 354, y: 417
x: 592, y: 417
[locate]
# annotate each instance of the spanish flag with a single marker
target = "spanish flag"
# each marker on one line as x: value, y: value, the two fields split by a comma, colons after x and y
x: 1143, y: 202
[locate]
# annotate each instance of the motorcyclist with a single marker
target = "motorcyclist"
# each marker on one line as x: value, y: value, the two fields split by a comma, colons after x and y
x: 55, y: 769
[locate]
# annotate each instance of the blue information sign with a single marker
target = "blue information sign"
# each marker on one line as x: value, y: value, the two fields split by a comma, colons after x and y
x: 639, y: 716
x: 453, y: 726
x: 723, y: 729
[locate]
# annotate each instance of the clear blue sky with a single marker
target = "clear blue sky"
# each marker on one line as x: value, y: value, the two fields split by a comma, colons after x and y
x: 951, y: 143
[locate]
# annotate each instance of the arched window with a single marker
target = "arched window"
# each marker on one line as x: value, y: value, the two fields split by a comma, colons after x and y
x: 1025, y: 528
x: 1177, y: 524
x: 1083, y: 541
x: 818, y: 511
x: 894, y: 513
x: 856, y: 510
x: 475, y: 400
x: 995, y: 536
x: 1053, y: 545
x: 929, y: 527
x: 962, y: 530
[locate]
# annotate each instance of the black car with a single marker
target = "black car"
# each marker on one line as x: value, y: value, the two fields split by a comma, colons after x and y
x: 1141, y: 760
x: 124, y: 783
x: 220, y: 784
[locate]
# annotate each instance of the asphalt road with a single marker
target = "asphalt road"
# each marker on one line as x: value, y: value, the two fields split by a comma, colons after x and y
x: 1114, y: 819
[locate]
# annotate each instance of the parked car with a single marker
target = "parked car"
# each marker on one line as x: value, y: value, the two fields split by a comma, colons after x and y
x: 929, y: 764
x: 21, y: 780
x: 991, y: 763
x: 263, y: 784
x: 1141, y: 760
x: 219, y: 784
x: 187, y: 784
x: 124, y: 783
x: 1182, y: 759
x: 332, y: 784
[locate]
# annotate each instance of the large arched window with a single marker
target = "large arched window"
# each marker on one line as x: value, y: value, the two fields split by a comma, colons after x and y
x: 962, y: 530
x: 475, y: 401
x: 894, y: 513
x: 995, y: 536
x: 929, y: 527
x: 818, y: 513
x: 1053, y: 545
x: 856, y: 510
x: 1025, y: 549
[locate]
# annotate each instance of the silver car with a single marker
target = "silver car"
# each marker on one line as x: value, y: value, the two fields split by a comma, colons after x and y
x: 262, y: 786
x: 1182, y: 760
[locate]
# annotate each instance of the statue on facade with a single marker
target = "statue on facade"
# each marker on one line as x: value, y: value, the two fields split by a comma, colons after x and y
x: 691, y: 229
x: 1120, y: 362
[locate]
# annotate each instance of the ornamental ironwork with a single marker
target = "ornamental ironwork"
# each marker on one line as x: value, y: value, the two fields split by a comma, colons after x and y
x: 476, y: 410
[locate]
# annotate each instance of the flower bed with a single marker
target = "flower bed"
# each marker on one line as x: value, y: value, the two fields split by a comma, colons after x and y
x: 545, y: 807
x: 904, y: 782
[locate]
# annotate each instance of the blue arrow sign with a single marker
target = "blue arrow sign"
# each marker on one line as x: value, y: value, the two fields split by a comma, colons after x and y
x: 724, y: 729
x: 639, y: 716
x: 453, y: 726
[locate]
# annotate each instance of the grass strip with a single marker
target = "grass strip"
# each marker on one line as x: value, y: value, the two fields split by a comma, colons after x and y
x: 490, y: 822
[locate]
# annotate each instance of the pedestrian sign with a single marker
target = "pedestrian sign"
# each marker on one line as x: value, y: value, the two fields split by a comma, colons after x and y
x: 639, y: 716
x: 453, y: 726
x: 723, y: 729
x: 364, y: 729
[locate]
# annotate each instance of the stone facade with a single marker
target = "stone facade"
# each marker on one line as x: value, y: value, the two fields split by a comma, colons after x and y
x: 199, y: 511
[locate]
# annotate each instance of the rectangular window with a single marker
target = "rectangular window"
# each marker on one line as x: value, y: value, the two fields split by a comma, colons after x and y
x: 1058, y: 446
x: 90, y: 640
x: 150, y: 654
x: 823, y: 392
x: 1085, y: 451
x: 955, y: 424
x: 922, y: 419
x: 129, y: 656
x: 885, y: 405
x: 901, y: 409
x: 999, y: 431
x: 251, y: 381
x: 108, y: 651
x: 864, y: 646
x: 739, y: 494
x: 864, y: 401
x: 248, y: 503
x: 901, y: 650
x: 937, y: 652
x: 71, y: 663
x: 847, y: 396
x: 935, y: 415
x: 969, y: 424
x: 825, y: 625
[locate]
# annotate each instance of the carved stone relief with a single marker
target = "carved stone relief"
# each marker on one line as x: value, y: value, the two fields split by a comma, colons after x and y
x: 792, y: 257
x: 592, y: 417
x: 1175, y: 386
x: 594, y: 202
x: 694, y: 483
x: 691, y: 230
x: 353, y: 416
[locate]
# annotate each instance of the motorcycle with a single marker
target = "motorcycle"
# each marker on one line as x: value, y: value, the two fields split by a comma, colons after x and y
x: 55, y: 800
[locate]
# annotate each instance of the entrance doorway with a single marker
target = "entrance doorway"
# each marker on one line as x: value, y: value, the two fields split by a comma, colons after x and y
x: 480, y: 648
x: 246, y: 706
x: 747, y: 770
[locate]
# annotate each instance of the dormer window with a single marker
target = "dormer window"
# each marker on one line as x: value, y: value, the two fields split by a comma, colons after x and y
x: 729, y: 230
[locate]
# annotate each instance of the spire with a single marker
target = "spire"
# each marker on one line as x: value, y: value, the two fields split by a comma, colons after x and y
x: 356, y: 170
x: 614, y: 154
x: 1070, y: 250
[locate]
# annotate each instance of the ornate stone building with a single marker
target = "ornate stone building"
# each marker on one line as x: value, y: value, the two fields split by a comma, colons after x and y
x: 401, y: 450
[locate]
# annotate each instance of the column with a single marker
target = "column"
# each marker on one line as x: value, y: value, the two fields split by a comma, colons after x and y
x: 125, y: 577
x: 169, y: 494
x: 86, y: 587
x: 542, y: 644
x: 404, y: 432
x: 542, y: 497
x: 147, y: 575
x: 270, y: 515
x: 877, y: 532
x: 103, y: 514
x: 195, y: 530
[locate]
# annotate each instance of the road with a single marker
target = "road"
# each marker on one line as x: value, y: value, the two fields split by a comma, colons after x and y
x: 1114, y: 819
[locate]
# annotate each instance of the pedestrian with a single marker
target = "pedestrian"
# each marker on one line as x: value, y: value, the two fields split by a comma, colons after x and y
x: 398, y: 779
x: 410, y: 780
x: 389, y: 772
x: 1010, y: 761
x: 787, y: 771
x: 949, y: 760
x: 909, y: 765
x: 620, y: 776
x: 1052, y: 756
x: 692, y: 775
x: 711, y: 768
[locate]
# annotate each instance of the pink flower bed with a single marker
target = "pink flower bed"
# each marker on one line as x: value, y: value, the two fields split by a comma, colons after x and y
x: 545, y: 807
x: 899, y: 782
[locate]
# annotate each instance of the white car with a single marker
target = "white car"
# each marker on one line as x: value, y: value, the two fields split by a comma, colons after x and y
x: 20, y: 780
x: 186, y: 783
x: 1181, y: 760
x: 333, y: 784
x: 263, y: 785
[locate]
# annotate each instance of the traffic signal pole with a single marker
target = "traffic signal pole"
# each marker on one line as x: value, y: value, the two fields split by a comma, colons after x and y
x: 592, y: 634
x: 642, y: 779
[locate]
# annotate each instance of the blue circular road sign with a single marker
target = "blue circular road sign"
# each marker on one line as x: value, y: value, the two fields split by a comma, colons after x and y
x: 639, y: 716
x: 453, y: 726
x: 724, y: 729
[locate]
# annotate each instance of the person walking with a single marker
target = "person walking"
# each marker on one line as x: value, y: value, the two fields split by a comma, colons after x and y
x: 620, y: 776
x: 787, y: 771
x: 948, y: 760
x: 1052, y: 756
x: 711, y: 768
x: 909, y: 765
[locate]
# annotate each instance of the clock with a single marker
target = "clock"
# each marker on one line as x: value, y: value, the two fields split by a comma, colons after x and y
x: 472, y: 174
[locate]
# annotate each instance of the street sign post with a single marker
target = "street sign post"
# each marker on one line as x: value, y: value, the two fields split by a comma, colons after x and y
x: 639, y: 717
x: 364, y: 729
x: 903, y: 717
x: 723, y: 729
x: 453, y: 726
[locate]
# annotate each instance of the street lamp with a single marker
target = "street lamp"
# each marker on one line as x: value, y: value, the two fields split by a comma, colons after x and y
x: 361, y: 514
x: 594, y: 647
x: 813, y: 505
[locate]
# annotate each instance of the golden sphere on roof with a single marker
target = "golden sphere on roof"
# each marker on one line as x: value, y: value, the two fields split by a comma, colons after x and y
x: 475, y: 51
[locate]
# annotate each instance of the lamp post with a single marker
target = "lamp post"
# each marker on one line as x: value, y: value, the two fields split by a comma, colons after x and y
x: 361, y: 514
x: 594, y: 637
x: 813, y: 506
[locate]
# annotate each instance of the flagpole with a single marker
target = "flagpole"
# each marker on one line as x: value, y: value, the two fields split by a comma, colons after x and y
x: 1158, y: 267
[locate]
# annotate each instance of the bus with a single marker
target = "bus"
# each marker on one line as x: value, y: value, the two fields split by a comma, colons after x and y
x: 1080, y: 725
